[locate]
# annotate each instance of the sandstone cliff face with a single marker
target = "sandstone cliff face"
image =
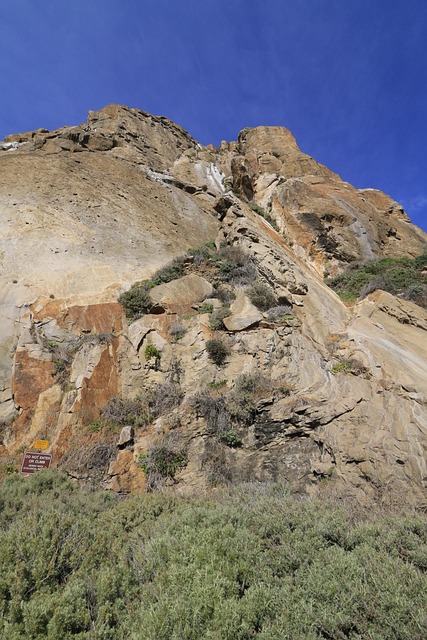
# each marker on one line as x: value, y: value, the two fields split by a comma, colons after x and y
x: 89, y: 210
x: 327, y: 221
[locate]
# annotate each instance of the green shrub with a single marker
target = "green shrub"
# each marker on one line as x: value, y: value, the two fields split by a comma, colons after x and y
x: 228, y: 264
x: 399, y: 276
x: 220, y: 384
x: 217, y: 317
x: 204, y: 254
x: 162, y: 462
x: 151, y: 351
x: 231, y: 438
x: 95, y: 426
x: 171, y: 271
x: 349, y: 366
x: 261, y: 296
x: 217, y: 351
x: 341, y: 367
x: 248, y: 561
x: 206, y: 307
x: 136, y: 302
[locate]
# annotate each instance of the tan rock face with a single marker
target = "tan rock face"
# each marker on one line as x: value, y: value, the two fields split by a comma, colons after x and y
x: 243, y: 314
x: 181, y: 292
x: 341, y: 401
x: 328, y: 222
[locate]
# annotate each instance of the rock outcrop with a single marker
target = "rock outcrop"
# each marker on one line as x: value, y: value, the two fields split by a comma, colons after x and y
x: 206, y: 387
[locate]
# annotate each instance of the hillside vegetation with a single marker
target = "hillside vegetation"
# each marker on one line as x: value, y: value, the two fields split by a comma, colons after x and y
x: 250, y: 563
x: 404, y: 277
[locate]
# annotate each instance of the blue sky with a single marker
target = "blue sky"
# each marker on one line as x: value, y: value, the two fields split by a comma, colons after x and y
x: 347, y: 77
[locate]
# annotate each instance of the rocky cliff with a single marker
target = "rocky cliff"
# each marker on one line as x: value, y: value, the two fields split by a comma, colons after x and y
x: 230, y: 359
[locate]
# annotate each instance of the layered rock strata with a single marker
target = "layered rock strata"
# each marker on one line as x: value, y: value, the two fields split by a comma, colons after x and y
x: 87, y: 211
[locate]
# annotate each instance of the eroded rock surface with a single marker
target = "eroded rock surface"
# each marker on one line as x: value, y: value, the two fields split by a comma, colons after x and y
x: 327, y: 397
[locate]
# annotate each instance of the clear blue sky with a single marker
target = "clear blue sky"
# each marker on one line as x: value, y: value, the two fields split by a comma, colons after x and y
x: 347, y: 77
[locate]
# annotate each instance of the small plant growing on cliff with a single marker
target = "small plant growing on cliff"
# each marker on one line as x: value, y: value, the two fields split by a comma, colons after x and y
x: 151, y: 351
x: 261, y: 296
x: 206, y: 307
x: 171, y: 271
x: 280, y: 314
x: 136, y: 302
x: 231, y: 438
x: 264, y: 214
x: 177, y: 331
x: 125, y: 411
x: 162, y: 462
x: 217, y: 317
x: 214, y: 410
x: 341, y: 367
x: 219, y: 384
x: 165, y: 398
x: 349, y: 366
x: 217, y: 351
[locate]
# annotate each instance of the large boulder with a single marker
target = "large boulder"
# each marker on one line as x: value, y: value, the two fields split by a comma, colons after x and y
x: 183, y: 291
x: 243, y: 314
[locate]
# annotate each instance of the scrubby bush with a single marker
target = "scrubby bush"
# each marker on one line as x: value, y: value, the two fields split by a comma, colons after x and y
x: 234, y: 254
x: 216, y: 464
x: 203, y: 254
x: 225, y: 294
x: 237, y: 406
x: 243, y: 275
x: 151, y: 351
x: 228, y: 264
x: 262, y: 296
x: 140, y: 411
x: 124, y: 411
x: 236, y: 267
x: 400, y: 276
x: 217, y: 317
x: 217, y: 351
x: 163, y: 461
x: 250, y: 561
x: 231, y: 438
x: 214, y: 410
x: 349, y: 366
x: 165, y: 398
x: 280, y: 314
x: 177, y: 330
x: 242, y: 400
x: 136, y: 302
x: 169, y: 272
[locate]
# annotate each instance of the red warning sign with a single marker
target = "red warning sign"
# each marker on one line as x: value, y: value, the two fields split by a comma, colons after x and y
x: 35, y: 461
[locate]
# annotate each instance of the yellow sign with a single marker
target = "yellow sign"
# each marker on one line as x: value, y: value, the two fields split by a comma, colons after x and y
x: 41, y: 444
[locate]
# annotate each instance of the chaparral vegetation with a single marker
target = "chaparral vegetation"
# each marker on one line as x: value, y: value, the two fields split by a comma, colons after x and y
x: 248, y: 562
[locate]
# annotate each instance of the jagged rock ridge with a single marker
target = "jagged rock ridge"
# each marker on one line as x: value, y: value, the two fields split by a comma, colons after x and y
x: 89, y: 210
